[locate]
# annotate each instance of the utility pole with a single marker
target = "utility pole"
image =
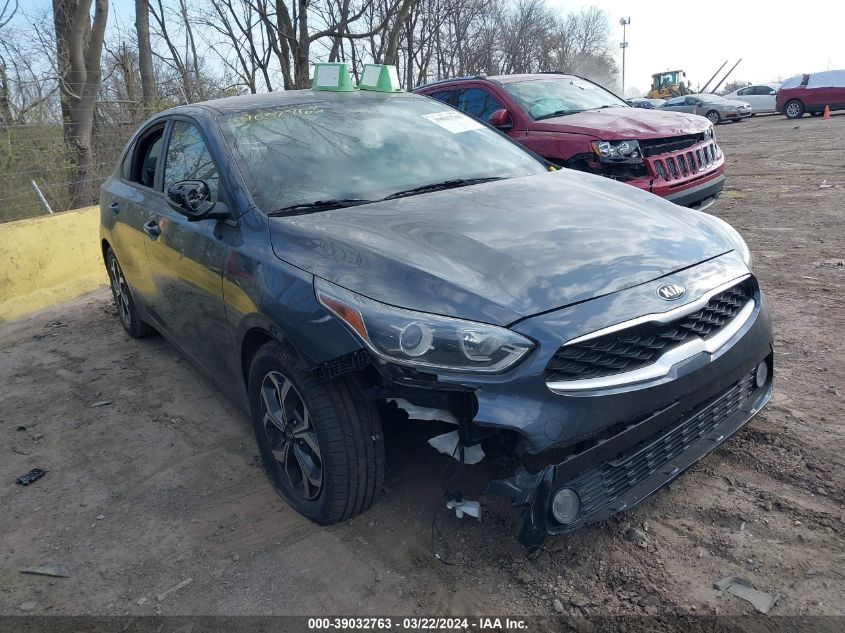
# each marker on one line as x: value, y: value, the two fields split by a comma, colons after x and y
x: 624, y: 22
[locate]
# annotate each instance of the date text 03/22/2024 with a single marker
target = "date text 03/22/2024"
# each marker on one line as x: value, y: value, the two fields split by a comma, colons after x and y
x: 418, y: 624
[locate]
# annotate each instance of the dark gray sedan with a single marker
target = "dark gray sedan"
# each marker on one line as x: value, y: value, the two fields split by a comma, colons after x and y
x: 334, y: 259
x: 716, y: 108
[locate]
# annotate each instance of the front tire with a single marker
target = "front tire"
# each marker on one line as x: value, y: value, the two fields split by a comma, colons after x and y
x: 321, y: 442
x: 714, y: 117
x: 794, y: 109
x: 127, y: 310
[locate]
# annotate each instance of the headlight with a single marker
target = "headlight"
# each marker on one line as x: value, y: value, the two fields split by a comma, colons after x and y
x: 616, y: 150
x: 423, y: 340
x: 708, y: 133
x: 736, y: 239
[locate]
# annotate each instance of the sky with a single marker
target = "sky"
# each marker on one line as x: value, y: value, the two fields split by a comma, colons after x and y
x: 774, y: 40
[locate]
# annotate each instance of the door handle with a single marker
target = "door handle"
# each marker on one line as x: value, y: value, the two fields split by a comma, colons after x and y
x: 152, y: 229
x: 114, y: 207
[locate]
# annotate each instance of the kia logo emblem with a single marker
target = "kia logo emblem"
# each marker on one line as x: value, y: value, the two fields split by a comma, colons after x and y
x: 671, y: 292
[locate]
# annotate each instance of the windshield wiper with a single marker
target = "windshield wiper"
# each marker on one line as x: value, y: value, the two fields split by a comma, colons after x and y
x: 440, y: 186
x: 317, y: 205
x: 551, y: 115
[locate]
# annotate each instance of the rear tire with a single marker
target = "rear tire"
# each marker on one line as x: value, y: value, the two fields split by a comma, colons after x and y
x: 127, y: 310
x: 321, y: 442
x: 794, y: 109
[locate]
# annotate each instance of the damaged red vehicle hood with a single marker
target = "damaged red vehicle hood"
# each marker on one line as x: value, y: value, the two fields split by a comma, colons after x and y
x: 611, y: 124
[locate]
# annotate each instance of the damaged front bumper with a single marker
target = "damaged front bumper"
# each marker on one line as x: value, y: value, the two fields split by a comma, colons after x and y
x: 618, y: 473
x: 609, y: 443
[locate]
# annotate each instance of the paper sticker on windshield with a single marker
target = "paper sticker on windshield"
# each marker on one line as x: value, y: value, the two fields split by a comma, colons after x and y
x: 455, y: 122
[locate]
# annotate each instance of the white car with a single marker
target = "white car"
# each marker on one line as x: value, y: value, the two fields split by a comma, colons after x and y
x: 761, y: 97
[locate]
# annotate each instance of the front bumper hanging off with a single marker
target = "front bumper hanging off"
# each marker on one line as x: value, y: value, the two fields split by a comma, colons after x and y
x: 621, y: 471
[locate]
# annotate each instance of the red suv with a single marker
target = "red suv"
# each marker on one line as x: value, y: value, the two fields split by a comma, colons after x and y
x: 811, y: 93
x: 573, y: 122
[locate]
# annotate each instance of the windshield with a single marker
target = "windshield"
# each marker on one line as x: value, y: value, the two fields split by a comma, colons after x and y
x: 364, y: 148
x: 544, y: 98
x: 711, y: 98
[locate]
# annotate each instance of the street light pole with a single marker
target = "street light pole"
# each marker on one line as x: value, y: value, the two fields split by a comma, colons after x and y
x: 624, y: 22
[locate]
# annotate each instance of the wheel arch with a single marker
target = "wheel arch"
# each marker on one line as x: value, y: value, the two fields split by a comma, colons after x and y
x: 104, y: 247
x: 254, y: 339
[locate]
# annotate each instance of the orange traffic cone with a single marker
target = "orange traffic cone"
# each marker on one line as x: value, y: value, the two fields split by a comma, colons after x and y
x: 826, y: 114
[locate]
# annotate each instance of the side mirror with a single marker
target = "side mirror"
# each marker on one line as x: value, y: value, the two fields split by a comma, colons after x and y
x: 192, y: 198
x: 501, y: 119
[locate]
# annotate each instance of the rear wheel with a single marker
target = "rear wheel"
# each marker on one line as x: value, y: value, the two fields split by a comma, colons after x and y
x: 127, y: 311
x: 816, y: 113
x: 714, y: 117
x: 794, y: 109
x: 321, y: 442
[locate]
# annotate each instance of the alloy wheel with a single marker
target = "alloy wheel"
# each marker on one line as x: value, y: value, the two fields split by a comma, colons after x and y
x: 713, y: 116
x: 120, y: 290
x: 291, y: 436
x: 793, y: 110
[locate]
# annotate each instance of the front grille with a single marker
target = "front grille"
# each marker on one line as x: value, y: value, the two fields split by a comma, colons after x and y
x: 685, y: 164
x: 641, y: 345
x: 600, y: 486
x: 657, y: 146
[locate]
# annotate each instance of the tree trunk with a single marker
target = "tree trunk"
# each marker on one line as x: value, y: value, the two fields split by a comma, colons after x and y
x: 303, y: 48
x: 145, y: 54
x: 5, y: 108
x: 392, y: 54
x: 79, y: 44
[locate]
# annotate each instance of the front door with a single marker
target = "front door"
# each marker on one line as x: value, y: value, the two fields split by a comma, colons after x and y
x: 186, y: 258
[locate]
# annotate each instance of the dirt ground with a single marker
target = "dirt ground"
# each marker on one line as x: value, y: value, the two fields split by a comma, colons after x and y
x: 163, y: 483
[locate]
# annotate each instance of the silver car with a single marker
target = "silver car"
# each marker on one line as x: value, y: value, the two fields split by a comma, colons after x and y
x: 714, y: 107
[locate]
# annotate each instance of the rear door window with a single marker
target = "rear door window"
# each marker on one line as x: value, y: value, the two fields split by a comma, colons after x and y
x: 145, y: 159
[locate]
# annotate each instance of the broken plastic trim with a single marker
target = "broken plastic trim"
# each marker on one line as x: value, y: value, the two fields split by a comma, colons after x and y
x: 341, y: 365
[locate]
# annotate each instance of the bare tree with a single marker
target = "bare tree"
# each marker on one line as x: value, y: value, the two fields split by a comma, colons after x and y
x: 145, y: 52
x: 79, y: 44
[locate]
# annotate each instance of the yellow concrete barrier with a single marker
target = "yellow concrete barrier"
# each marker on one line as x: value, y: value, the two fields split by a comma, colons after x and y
x: 49, y: 260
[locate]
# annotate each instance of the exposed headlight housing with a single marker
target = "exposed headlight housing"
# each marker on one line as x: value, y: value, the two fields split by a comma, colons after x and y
x: 736, y: 239
x: 708, y: 133
x: 617, y: 150
x: 419, y: 339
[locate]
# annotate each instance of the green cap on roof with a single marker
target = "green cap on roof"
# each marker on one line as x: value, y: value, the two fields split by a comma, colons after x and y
x: 381, y: 78
x: 332, y: 77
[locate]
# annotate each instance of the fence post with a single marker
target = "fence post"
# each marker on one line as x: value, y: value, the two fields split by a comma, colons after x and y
x: 41, y: 197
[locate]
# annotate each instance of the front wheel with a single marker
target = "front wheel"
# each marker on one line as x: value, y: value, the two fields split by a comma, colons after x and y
x: 127, y: 311
x: 321, y: 442
x: 714, y: 117
x: 794, y: 109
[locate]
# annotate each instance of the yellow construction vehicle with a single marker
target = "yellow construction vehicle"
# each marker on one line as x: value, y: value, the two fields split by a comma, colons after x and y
x: 668, y: 84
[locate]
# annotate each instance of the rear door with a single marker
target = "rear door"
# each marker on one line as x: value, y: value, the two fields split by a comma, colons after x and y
x: 126, y: 201
x: 748, y: 95
x: 186, y: 258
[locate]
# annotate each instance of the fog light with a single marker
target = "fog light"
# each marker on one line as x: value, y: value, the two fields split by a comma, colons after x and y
x: 762, y: 374
x: 566, y: 505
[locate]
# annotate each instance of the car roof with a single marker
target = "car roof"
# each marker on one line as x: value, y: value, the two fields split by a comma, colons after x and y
x: 241, y: 103
x: 500, y: 79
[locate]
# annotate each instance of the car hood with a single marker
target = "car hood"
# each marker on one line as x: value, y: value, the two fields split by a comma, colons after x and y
x: 501, y: 251
x: 625, y: 123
